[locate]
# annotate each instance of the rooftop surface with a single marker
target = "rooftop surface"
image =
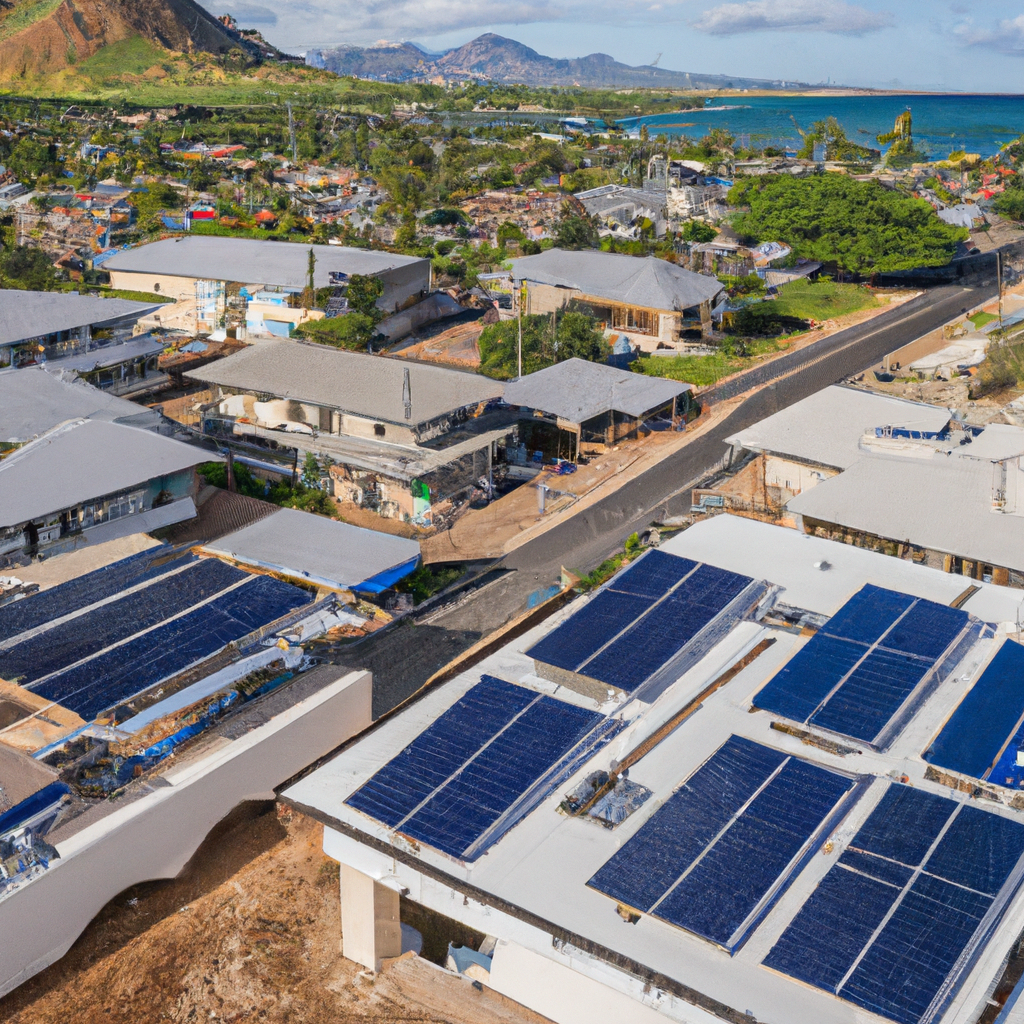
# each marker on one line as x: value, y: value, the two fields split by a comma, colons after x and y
x: 33, y: 401
x: 85, y: 459
x: 25, y: 315
x: 826, y: 428
x: 633, y: 280
x: 577, y: 391
x: 546, y: 872
x: 352, y: 382
x: 319, y: 549
x: 943, y: 503
x: 109, y: 355
x: 253, y: 260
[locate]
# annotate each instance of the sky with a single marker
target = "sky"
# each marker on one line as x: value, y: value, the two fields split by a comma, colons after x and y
x: 922, y: 44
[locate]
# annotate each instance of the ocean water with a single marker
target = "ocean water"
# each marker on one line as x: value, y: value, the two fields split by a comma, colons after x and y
x: 942, y: 124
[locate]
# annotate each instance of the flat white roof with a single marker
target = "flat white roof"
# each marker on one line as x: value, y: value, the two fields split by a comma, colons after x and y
x: 826, y: 428
x: 539, y: 869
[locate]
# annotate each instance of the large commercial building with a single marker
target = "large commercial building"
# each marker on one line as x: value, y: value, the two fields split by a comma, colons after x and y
x: 207, y: 268
x: 756, y: 776
x: 648, y: 300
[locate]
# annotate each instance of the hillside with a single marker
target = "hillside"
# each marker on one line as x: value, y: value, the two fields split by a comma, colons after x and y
x: 41, y: 37
x: 494, y: 58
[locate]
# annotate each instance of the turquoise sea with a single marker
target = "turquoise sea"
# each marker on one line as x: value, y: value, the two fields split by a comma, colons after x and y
x: 977, y: 124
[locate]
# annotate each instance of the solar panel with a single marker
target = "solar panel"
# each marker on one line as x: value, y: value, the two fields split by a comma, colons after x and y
x: 86, y: 634
x: 602, y: 619
x: 55, y: 602
x: 982, y: 736
x: 118, y: 675
x: 641, y: 621
x: 657, y: 638
x: 726, y: 843
x: 857, y: 674
x: 895, y: 925
x: 456, y: 784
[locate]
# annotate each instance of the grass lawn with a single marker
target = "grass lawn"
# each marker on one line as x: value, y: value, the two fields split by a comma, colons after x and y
x: 703, y: 371
x: 980, y: 319
x: 822, y: 300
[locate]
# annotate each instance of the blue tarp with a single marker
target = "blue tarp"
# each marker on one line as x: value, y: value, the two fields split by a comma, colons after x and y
x: 50, y: 796
x: 384, y: 580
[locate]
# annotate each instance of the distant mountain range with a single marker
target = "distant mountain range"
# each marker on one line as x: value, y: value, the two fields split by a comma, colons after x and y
x: 40, y: 38
x: 494, y: 58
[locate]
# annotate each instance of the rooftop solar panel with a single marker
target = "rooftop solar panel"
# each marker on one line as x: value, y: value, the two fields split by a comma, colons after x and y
x: 117, y: 675
x: 895, y: 925
x: 457, y: 784
x: 712, y: 858
x: 55, y: 602
x: 984, y: 731
x: 600, y: 620
x: 657, y: 638
x: 86, y: 634
x: 652, y: 576
x: 863, y: 672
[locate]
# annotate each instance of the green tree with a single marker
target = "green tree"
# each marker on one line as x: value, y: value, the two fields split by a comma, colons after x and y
x: 363, y: 293
x: 575, y: 232
x: 578, y: 337
x: 698, y: 231
x: 26, y: 267
x: 860, y: 226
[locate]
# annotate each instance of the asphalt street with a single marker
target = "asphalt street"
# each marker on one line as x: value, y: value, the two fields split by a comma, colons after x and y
x: 403, y: 659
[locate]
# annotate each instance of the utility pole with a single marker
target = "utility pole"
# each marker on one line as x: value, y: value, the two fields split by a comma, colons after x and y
x: 520, y: 365
x: 999, y: 273
x: 291, y: 132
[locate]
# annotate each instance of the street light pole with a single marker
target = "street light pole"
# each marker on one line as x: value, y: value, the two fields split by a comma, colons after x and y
x: 520, y: 362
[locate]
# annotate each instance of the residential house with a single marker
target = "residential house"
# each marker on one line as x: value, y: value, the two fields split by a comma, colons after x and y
x: 649, y: 300
x: 399, y: 437
x: 89, y: 481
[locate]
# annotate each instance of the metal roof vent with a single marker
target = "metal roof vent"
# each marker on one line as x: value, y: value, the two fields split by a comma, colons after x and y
x: 823, y: 565
x: 407, y: 394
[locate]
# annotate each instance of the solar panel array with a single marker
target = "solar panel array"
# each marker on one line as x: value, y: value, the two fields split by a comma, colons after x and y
x: 19, y: 616
x: 857, y: 673
x: 724, y: 846
x: 896, y: 924
x: 453, y: 785
x: 103, y: 654
x: 641, y: 621
x: 982, y: 737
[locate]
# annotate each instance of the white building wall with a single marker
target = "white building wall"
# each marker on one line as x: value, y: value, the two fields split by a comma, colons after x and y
x: 794, y: 477
x: 154, y: 837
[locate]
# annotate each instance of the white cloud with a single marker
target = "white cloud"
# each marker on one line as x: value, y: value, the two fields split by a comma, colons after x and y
x: 833, y: 16
x: 250, y: 15
x: 1006, y: 37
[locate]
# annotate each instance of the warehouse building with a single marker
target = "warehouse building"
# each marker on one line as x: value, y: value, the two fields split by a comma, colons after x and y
x: 210, y: 269
x: 576, y: 402
x: 707, y: 791
x: 648, y: 300
x: 398, y: 437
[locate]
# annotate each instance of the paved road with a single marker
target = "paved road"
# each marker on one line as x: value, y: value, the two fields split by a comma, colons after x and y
x: 582, y: 542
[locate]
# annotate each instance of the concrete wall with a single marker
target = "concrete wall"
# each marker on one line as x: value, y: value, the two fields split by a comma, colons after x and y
x: 154, y: 836
x: 404, y: 285
x: 792, y: 478
x: 163, y: 284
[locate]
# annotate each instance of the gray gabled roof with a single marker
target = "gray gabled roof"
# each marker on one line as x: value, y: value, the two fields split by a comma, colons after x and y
x: 325, y: 551
x: 110, y: 355
x: 578, y: 391
x: 25, y: 315
x: 943, y: 503
x: 253, y: 260
x: 353, y: 382
x: 648, y: 282
x: 33, y: 401
x: 82, y: 460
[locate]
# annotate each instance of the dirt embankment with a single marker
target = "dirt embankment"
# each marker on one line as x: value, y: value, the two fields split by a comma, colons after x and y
x: 249, y: 932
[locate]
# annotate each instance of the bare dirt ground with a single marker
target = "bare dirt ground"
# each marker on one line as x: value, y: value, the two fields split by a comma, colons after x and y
x: 249, y: 932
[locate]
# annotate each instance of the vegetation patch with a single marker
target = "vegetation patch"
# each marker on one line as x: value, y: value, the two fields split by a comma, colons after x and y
x: 823, y: 300
x: 25, y: 15
x: 703, y: 371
